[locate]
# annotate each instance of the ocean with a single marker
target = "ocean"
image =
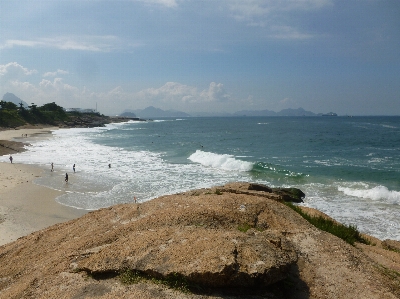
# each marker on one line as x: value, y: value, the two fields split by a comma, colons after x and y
x: 348, y: 167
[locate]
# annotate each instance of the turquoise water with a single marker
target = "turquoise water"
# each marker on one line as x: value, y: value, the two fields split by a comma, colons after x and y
x: 349, y: 167
x: 290, y: 149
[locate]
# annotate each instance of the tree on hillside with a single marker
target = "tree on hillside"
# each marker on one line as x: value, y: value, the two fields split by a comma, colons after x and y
x: 8, y: 105
x: 52, y: 112
x: 32, y: 107
x: 51, y: 107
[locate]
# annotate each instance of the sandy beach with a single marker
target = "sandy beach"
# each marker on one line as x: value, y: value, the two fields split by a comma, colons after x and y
x: 24, y: 206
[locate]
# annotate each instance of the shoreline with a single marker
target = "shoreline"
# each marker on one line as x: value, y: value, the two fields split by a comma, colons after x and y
x: 13, y: 140
x: 33, y: 133
x: 24, y: 206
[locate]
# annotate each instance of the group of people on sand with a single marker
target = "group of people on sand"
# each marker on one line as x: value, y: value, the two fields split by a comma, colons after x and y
x: 66, y: 174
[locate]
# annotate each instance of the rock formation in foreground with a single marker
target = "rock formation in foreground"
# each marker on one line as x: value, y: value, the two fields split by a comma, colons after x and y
x: 234, y: 241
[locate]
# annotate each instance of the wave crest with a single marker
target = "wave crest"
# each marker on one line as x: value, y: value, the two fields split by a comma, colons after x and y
x: 376, y: 193
x: 271, y: 168
x: 225, y: 162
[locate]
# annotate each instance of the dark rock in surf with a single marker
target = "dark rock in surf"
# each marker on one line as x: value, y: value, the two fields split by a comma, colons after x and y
x: 260, y: 187
x: 290, y: 194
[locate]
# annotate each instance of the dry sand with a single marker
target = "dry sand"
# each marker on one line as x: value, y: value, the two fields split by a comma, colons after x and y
x: 13, y: 140
x: 30, y: 130
x: 24, y: 206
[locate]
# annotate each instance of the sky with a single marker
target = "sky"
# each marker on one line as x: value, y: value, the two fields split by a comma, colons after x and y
x: 203, y: 55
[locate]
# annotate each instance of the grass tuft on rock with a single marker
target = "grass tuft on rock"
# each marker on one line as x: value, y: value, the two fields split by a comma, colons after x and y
x: 348, y: 233
x: 244, y: 227
x: 392, y: 275
x: 174, y: 280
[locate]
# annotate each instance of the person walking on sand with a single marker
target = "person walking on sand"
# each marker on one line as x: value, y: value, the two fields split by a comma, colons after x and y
x: 52, y: 167
x: 73, y: 167
x: 66, y: 177
x: 11, y: 158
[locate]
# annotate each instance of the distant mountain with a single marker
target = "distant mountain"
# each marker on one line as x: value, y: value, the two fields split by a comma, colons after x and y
x: 284, y: 112
x: 152, y: 112
x: 255, y: 113
x: 295, y: 112
x: 211, y: 114
x: 127, y: 114
x: 10, y: 97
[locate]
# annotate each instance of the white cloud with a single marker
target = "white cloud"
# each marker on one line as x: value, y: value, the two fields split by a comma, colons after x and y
x: 171, y: 92
x: 273, y: 15
x: 14, y: 69
x: 24, y: 86
x: 91, y: 43
x: 177, y: 93
x: 288, y: 32
x: 167, y: 3
x: 171, y: 95
x: 53, y: 74
x: 244, y: 10
x: 57, y: 85
x: 215, y: 93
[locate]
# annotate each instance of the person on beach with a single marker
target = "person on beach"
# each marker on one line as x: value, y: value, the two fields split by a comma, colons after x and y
x: 109, y: 165
x: 73, y: 167
x: 66, y: 177
x: 52, y: 167
x: 11, y: 158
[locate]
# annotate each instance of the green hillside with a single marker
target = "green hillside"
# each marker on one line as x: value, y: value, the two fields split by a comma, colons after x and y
x: 12, y: 116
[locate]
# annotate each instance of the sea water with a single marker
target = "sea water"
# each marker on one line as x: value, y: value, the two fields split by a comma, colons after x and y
x: 348, y: 167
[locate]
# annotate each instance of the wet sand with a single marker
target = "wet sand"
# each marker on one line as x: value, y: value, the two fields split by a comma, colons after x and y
x: 24, y: 206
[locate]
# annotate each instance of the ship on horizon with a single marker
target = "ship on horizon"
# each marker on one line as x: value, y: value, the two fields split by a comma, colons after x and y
x: 329, y: 114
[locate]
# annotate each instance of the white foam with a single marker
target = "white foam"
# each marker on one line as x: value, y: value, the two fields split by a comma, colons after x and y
x: 143, y: 174
x: 379, y: 217
x: 375, y: 193
x: 225, y: 162
x: 146, y: 175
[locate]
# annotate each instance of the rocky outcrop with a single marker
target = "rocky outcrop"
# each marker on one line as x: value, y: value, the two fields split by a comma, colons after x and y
x: 83, y: 120
x: 224, y: 242
x: 280, y: 194
x: 10, y: 147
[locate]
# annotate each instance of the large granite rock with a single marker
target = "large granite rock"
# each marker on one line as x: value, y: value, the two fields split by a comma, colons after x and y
x: 205, y: 257
x: 227, y: 241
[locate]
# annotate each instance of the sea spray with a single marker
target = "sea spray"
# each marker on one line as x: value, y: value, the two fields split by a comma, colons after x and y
x: 378, y: 193
x: 226, y: 162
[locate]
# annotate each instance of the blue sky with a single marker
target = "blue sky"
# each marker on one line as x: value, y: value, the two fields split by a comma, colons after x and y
x: 204, y: 56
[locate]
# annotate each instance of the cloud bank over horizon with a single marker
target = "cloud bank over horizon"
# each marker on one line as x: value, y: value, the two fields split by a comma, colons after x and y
x: 204, y: 56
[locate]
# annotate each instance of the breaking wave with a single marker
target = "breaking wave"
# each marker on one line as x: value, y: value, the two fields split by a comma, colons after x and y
x: 225, y: 162
x: 375, y: 193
